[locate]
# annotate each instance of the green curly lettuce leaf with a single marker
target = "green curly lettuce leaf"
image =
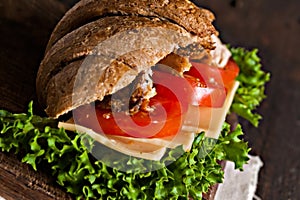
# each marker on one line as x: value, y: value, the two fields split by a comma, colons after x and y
x: 65, y: 152
x: 252, y: 80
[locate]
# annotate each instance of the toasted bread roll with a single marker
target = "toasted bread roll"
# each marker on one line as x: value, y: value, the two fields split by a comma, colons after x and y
x: 91, y: 55
x: 183, y: 12
x: 110, y: 57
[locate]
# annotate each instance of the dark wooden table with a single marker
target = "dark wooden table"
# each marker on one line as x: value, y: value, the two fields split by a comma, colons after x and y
x: 273, y: 26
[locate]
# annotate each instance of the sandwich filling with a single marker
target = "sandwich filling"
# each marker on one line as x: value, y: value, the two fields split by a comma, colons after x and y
x: 163, y: 107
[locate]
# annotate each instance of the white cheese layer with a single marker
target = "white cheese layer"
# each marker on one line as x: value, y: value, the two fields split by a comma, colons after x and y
x: 147, y: 148
x: 150, y: 150
x: 208, y: 119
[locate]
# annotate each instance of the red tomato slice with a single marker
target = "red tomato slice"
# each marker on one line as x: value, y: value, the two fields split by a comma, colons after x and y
x: 169, y: 106
x: 229, y: 72
x: 172, y: 88
x: 157, y: 124
x: 206, y: 96
x: 215, y: 76
x: 162, y: 122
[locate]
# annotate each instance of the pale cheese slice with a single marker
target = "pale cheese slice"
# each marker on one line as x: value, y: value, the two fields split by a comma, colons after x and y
x: 219, y: 114
x: 207, y: 119
x: 147, y: 148
x: 182, y: 138
x: 140, y: 150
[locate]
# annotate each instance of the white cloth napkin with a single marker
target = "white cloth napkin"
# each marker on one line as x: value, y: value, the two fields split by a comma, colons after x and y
x: 240, y: 185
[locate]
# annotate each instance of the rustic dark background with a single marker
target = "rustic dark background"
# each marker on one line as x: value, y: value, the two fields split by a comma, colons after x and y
x: 272, y: 26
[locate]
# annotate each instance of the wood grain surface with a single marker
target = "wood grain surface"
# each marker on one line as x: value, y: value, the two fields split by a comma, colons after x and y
x: 272, y: 26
